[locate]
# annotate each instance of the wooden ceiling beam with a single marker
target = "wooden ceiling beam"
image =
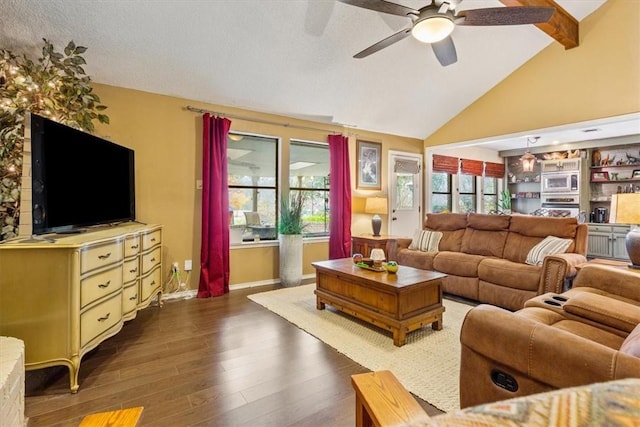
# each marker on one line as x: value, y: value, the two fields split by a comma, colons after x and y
x: 562, y: 26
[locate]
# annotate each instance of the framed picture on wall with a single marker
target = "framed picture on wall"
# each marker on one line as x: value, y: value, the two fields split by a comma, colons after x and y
x: 599, y: 176
x: 368, y: 176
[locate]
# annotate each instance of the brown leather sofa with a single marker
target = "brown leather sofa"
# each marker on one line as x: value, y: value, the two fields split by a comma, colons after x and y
x: 588, y: 334
x: 484, y: 255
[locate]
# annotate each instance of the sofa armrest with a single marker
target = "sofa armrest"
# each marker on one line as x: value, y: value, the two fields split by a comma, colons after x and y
x: 556, y: 268
x: 605, y: 310
x: 402, y: 243
x: 382, y: 401
x: 611, y: 280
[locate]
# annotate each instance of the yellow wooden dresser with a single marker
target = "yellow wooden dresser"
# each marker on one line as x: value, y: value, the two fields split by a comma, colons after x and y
x: 65, y: 295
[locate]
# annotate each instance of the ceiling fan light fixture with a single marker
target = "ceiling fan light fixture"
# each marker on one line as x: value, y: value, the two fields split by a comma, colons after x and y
x: 432, y: 29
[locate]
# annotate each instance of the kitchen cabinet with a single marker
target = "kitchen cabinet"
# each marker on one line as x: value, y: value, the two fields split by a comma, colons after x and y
x: 607, y: 241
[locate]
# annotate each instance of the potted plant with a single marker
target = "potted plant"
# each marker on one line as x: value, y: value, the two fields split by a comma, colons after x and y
x: 290, y: 228
x: 504, y: 202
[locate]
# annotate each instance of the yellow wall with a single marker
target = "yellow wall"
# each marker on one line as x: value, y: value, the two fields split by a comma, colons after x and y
x: 167, y: 141
x: 598, y: 79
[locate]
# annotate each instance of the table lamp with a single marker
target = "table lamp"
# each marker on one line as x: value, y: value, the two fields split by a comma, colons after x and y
x: 625, y: 209
x: 376, y: 206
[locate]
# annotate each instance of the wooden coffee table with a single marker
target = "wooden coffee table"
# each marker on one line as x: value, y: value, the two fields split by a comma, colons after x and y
x: 400, y: 303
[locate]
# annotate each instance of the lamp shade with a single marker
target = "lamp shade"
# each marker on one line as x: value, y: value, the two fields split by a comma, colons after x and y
x: 376, y: 205
x: 625, y: 209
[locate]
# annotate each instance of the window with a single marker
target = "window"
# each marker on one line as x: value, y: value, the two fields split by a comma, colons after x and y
x: 441, y: 192
x: 489, y: 194
x: 252, y: 174
x: 309, y: 174
x: 467, y: 193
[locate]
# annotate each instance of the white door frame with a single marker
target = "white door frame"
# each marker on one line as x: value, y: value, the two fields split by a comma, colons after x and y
x: 391, y: 186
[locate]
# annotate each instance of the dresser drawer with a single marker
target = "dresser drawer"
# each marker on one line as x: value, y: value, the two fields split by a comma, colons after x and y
x: 130, y: 270
x: 98, y: 285
x: 150, y: 284
x: 132, y: 246
x: 100, y: 318
x: 151, y: 239
x: 151, y: 260
x: 129, y: 298
x: 93, y: 257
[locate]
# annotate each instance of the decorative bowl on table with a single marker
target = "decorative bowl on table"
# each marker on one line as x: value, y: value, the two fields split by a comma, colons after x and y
x: 391, y: 266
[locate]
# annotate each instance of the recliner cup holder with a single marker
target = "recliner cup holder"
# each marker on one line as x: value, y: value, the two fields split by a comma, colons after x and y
x: 553, y: 303
x: 559, y: 298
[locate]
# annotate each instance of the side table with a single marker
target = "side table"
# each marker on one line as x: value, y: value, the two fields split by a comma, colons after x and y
x: 364, y: 243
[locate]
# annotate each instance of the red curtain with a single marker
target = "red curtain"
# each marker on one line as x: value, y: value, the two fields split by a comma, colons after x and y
x: 339, y: 197
x: 214, y: 253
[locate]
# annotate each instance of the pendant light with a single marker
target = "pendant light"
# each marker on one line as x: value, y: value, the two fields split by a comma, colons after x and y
x: 528, y: 160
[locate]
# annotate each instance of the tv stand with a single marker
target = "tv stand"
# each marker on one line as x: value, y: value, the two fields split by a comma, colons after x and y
x: 63, y: 297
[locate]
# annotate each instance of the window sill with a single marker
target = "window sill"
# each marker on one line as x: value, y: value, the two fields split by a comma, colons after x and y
x: 270, y: 243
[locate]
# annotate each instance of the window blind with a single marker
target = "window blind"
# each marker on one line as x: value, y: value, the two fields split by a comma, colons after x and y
x: 445, y: 164
x: 471, y: 167
x: 494, y: 170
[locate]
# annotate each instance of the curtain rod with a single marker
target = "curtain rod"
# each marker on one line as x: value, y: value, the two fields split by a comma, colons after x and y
x: 267, y: 122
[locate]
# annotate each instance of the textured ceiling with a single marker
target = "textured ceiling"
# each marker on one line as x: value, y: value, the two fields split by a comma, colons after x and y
x: 286, y: 57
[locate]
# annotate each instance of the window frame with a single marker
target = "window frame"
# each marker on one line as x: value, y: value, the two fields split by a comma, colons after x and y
x: 325, y: 190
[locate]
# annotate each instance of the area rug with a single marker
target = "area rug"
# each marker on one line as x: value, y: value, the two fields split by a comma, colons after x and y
x: 428, y: 365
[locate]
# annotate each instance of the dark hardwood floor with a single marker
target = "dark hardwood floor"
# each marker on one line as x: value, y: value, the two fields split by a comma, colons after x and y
x: 210, y: 362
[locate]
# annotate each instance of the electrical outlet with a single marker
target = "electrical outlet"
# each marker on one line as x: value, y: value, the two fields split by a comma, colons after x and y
x: 188, y: 266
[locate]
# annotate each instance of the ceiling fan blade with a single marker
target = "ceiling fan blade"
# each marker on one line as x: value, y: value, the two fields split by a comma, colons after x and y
x: 445, y: 51
x: 382, y: 6
x: 383, y: 43
x: 516, y: 15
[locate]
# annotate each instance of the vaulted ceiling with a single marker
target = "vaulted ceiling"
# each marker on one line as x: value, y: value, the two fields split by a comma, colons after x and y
x: 289, y: 57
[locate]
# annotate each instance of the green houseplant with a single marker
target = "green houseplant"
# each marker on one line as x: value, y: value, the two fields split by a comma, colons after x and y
x: 290, y: 228
x: 54, y: 86
x: 504, y: 202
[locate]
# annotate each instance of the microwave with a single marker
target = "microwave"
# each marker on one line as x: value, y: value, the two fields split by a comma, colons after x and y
x: 561, y: 182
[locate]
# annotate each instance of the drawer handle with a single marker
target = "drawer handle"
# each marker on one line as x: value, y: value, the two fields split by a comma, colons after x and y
x: 107, y: 255
x: 153, y: 260
x: 133, y: 298
x: 135, y: 246
x: 133, y: 270
x: 153, y: 282
x: 153, y: 239
x: 102, y: 319
x: 104, y: 285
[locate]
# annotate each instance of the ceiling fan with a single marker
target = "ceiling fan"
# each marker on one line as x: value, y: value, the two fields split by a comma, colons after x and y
x: 434, y: 23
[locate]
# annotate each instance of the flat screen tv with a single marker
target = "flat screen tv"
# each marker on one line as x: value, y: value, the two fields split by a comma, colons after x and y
x: 78, y: 179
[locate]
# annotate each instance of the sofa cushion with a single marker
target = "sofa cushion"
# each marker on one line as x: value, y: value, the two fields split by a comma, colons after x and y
x: 426, y: 241
x: 485, y: 235
x: 536, y: 226
x: 416, y: 259
x: 510, y: 274
x: 549, y: 246
x: 457, y: 263
x: 631, y: 344
x: 452, y: 226
x: 446, y: 221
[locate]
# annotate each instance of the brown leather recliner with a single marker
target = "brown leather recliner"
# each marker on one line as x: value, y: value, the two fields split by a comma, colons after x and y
x: 588, y: 334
